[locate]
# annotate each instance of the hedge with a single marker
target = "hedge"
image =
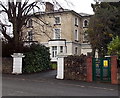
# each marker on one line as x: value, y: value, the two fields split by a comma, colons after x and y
x: 37, y: 59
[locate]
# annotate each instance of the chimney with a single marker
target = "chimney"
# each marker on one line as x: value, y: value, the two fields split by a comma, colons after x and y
x: 49, y: 7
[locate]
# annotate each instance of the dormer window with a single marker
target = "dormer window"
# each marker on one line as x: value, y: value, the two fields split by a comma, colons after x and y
x: 57, y: 20
x: 85, y: 23
x: 76, y: 21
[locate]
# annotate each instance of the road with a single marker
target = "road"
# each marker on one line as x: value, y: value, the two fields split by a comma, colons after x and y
x: 45, y: 84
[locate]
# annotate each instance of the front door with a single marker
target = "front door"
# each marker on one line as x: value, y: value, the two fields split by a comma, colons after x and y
x: 101, y: 69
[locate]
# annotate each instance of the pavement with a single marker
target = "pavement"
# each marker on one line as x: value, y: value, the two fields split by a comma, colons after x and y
x: 45, y: 84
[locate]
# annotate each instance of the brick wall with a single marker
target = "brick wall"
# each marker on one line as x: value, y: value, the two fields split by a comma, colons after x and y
x: 7, y: 65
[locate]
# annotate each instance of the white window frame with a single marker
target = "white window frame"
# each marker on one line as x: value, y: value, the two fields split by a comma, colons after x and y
x: 55, y: 20
x: 76, y: 21
x: 55, y: 33
x: 84, y: 23
x: 76, y: 52
x: 54, y: 51
x: 76, y: 34
x: 30, y: 36
x: 61, y: 49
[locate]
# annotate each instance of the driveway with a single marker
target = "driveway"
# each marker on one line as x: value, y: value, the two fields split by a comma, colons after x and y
x: 45, y: 84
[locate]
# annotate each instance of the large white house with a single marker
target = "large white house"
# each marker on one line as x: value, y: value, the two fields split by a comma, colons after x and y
x: 63, y: 31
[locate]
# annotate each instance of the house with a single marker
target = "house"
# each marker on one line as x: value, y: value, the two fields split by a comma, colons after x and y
x: 63, y: 31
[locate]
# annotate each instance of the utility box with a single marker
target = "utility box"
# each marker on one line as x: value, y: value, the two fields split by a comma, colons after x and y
x: 17, y: 63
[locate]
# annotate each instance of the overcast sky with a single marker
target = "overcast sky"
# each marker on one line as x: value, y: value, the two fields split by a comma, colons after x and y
x: 79, y: 6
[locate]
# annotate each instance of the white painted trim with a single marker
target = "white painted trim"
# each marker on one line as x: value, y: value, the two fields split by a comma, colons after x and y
x: 57, y: 23
x: 75, y: 35
x: 77, y: 21
x: 84, y: 21
x: 54, y: 33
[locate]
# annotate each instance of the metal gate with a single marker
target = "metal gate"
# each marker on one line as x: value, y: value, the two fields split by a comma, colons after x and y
x: 102, y: 69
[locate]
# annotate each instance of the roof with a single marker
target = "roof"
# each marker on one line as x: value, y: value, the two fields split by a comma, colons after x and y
x: 84, y: 14
x: 62, y: 11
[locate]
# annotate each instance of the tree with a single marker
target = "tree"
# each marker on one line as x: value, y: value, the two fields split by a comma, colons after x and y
x: 102, y: 27
x: 114, y: 46
x: 18, y: 14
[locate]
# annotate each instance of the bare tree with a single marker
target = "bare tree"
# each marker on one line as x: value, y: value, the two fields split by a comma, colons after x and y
x: 18, y: 14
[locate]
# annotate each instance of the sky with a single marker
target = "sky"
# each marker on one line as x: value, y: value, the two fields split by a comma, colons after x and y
x: 80, y: 6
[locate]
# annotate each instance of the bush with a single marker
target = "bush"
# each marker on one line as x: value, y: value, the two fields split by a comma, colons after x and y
x: 37, y: 59
x: 54, y: 65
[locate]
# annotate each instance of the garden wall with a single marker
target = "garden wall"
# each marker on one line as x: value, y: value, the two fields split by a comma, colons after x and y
x: 7, y: 65
x: 75, y: 67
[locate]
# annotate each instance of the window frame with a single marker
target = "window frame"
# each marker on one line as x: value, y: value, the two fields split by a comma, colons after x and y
x: 76, y: 52
x: 76, y: 21
x: 84, y: 23
x: 57, y: 22
x: 61, y: 49
x: 30, y: 23
x: 55, y: 33
x: 30, y: 36
x: 54, y: 51
x: 76, y: 35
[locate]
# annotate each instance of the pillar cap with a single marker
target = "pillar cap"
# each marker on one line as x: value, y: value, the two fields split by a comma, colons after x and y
x: 18, y: 55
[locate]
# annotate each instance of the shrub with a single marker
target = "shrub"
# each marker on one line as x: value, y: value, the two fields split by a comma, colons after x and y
x: 37, y: 59
x: 54, y: 65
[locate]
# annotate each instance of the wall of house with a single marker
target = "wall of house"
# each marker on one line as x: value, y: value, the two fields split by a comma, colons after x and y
x: 66, y: 30
x: 85, y: 48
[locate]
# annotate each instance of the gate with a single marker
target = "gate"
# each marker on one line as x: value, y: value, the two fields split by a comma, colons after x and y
x: 102, y: 69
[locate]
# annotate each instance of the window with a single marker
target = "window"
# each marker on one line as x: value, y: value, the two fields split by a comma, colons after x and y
x: 57, y: 20
x: 57, y: 33
x: 76, y: 50
x: 54, y: 51
x: 29, y: 23
x: 85, y: 37
x: 76, y: 21
x: 76, y: 35
x: 85, y: 23
x: 61, y: 49
x: 30, y: 36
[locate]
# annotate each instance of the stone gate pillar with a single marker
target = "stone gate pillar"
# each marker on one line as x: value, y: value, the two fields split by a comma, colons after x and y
x: 60, y: 66
x: 17, y: 63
